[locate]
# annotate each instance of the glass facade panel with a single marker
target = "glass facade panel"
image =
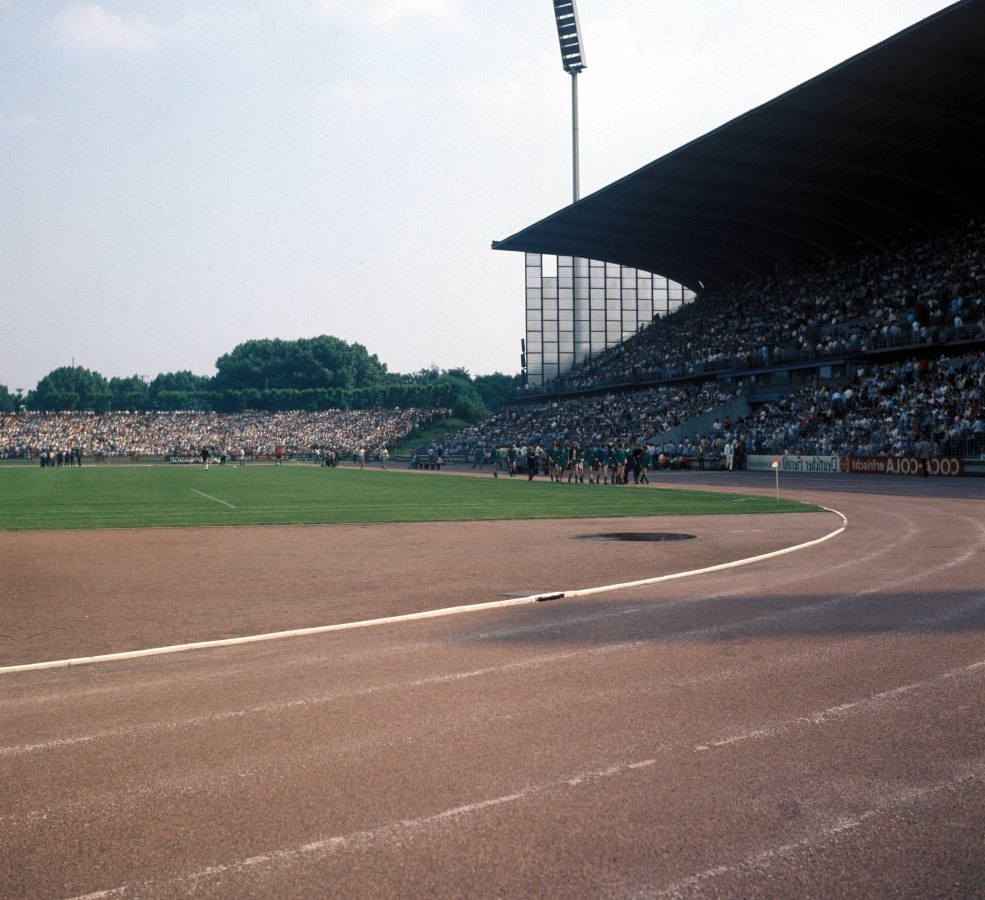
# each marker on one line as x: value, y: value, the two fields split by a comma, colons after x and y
x: 588, y: 306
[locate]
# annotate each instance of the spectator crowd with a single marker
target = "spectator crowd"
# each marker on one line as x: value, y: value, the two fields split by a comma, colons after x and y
x: 141, y: 435
x: 925, y: 299
x: 882, y: 410
x: 924, y: 293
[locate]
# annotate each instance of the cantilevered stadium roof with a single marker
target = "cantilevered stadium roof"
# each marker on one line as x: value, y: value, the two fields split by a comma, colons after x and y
x: 890, y: 142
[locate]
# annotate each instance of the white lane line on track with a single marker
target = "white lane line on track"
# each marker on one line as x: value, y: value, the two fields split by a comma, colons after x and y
x: 892, y: 805
x: 412, y: 617
x: 285, y: 705
x: 210, y: 497
x: 833, y: 712
x: 547, y: 659
x: 321, y: 847
x: 702, y: 632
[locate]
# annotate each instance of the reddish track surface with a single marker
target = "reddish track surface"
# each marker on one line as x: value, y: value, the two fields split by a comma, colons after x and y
x: 810, y: 725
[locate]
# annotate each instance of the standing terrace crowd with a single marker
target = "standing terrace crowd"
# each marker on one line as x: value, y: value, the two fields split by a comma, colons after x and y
x: 182, y: 434
x: 882, y: 410
x: 636, y: 418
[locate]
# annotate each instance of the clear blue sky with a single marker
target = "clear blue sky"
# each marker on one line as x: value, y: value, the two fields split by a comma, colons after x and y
x: 178, y: 177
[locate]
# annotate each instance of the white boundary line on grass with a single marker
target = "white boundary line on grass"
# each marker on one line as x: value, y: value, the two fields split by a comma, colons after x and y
x: 210, y: 497
x: 414, y: 617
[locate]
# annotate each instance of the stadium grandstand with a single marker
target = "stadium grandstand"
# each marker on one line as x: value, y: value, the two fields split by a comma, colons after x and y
x: 830, y: 244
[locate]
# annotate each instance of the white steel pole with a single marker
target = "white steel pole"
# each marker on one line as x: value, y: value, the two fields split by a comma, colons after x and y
x: 574, y: 132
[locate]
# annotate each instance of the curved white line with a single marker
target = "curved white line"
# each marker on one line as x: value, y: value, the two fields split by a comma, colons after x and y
x: 729, y: 565
x: 413, y: 617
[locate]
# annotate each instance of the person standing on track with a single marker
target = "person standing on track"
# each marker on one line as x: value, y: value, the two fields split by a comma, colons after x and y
x: 924, y: 449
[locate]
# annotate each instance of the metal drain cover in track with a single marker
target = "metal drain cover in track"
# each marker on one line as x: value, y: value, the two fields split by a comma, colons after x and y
x: 636, y: 536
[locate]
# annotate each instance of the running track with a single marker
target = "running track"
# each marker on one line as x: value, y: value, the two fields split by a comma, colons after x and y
x: 811, y: 725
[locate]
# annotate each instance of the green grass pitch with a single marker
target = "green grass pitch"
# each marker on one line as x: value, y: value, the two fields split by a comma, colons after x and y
x: 112, y: 496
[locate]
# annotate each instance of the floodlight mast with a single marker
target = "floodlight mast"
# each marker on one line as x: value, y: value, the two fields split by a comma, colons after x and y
x: 573, y: 60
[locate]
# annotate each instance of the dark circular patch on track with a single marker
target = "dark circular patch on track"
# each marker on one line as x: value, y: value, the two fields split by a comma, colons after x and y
x: 636, y: 536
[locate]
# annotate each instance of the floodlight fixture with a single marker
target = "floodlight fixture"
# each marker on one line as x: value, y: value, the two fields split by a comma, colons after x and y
x: 573, y: 60
x: 566, y: 17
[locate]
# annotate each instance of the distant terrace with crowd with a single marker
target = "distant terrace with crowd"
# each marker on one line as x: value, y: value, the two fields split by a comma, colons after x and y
x: 182, y: 435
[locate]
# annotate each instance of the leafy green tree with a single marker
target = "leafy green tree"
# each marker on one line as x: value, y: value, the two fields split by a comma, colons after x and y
x: 71, y: 388
x: 129, y: 393
x: 423, y: 376
x: 180, y: 390
x: 497, y: 390
x: 456, y: 391
x: 8, y: 402
x: 308, y: 363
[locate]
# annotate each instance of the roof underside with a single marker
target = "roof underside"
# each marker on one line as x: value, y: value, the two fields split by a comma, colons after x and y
x: 890, y: 142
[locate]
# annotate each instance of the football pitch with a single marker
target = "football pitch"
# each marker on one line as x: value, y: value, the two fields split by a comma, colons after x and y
x: 181, y: 496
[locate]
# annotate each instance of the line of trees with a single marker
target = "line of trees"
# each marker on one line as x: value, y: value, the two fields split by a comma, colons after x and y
x: 310, y: 373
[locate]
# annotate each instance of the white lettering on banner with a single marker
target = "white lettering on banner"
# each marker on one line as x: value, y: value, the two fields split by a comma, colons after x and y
x: 857, y: 465
x: 948, y: 465
x: 905, y: 466
x: 890, y: 465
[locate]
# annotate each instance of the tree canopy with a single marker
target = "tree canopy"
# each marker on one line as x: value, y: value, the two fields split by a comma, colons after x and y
x: 272, y: 374
x: 71, y: 388
x: 306, y: 364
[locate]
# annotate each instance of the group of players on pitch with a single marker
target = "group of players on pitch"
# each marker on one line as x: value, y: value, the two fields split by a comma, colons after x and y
x: 602, y: 464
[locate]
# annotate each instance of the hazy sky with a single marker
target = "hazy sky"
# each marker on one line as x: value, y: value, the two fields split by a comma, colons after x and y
x: 177, y: 177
